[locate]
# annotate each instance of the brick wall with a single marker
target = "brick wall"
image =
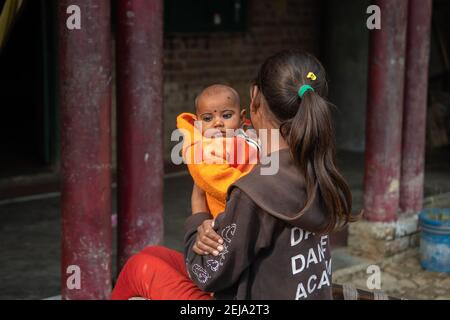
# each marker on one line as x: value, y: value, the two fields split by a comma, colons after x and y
x: 195, y: 60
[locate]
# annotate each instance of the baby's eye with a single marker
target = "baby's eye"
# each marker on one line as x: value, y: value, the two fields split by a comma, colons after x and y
x: 227, y: 115
x: 207, y: 118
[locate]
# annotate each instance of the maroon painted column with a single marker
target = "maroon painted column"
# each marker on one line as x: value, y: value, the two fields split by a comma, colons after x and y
x: 140, y: 127
x: 85, y: 102
x: 415, y: 107
x: 384, y: 112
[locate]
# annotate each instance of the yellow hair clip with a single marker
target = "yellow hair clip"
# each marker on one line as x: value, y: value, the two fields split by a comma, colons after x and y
x: 311, y: 76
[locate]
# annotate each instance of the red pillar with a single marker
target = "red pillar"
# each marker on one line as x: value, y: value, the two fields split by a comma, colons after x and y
x: 140, y: 130
x: 415, y: 108
x: 384, y: 112
x: 85, y: 102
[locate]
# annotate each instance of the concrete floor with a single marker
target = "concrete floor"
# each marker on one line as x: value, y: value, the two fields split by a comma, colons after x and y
x: 401, y: 277
x: 30, y: 240
x: 30, y: 228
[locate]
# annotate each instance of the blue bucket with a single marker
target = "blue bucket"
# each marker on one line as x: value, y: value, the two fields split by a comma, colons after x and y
x: 435, y: 239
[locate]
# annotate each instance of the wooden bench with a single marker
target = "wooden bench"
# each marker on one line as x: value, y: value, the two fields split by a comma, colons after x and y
x: 350, y: 292
x: 345, y: 292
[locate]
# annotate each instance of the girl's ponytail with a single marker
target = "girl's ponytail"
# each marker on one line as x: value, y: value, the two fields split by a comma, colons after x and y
x: 311, y: 142
x: 294, y: 86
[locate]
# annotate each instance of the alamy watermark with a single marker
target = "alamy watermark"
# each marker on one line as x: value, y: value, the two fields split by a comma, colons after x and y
x: 73, y: 281
x: 374, y: 20
x: 225, y: 147
x: 374, y: 280
x: 73, y: 21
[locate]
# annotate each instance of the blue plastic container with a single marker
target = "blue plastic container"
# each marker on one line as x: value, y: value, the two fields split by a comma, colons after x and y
x: 435, y: 239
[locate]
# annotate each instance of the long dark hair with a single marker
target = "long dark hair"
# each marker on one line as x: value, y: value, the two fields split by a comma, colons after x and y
x: 307, y: 127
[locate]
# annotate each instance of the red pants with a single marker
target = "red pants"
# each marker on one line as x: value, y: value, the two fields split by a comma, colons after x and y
x: 157, y: 273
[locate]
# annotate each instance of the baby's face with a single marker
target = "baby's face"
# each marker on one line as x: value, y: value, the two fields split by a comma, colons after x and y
x: 218, y: 113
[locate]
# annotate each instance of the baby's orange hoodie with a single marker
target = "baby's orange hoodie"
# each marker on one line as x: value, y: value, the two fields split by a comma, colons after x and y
x: 237, y: 156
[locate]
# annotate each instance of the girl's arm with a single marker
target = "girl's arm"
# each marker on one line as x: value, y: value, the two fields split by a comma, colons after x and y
x: 245, y: 230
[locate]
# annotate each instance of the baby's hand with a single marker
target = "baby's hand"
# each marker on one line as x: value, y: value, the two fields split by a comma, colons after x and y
x: 215, y: 150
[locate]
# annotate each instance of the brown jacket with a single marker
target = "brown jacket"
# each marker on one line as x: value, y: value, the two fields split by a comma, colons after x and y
x: 270, y: 251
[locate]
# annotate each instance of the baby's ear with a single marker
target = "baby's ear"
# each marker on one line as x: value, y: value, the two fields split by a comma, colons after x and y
x: 243, y: 115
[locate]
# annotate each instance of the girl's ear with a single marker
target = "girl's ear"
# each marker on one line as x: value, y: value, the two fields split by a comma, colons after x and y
x: 254, y: 99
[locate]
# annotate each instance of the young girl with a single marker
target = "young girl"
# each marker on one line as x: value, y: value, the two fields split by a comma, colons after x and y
x: 272, y: 240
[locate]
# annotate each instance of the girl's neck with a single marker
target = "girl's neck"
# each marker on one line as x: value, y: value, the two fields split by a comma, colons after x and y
x: 273, y: 146
x: 273, y: 141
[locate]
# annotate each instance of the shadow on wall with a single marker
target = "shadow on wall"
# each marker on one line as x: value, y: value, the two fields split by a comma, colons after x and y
x: 345, y: 55
x: 345, y: 46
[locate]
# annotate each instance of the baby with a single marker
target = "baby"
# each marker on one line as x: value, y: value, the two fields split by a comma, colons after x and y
x: 216, y: 148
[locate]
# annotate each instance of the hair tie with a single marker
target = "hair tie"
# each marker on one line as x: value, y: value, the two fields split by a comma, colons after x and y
x: 311, y: 76
x: 303, y: 89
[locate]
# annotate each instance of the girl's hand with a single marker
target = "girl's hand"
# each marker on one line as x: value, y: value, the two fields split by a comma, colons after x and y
x: 198, y: 200
x: 208, y: 241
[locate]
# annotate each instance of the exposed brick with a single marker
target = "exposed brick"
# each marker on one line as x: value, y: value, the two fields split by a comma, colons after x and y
x: 378, y: 239
x: 406, y: 225
x: 195, y: 60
